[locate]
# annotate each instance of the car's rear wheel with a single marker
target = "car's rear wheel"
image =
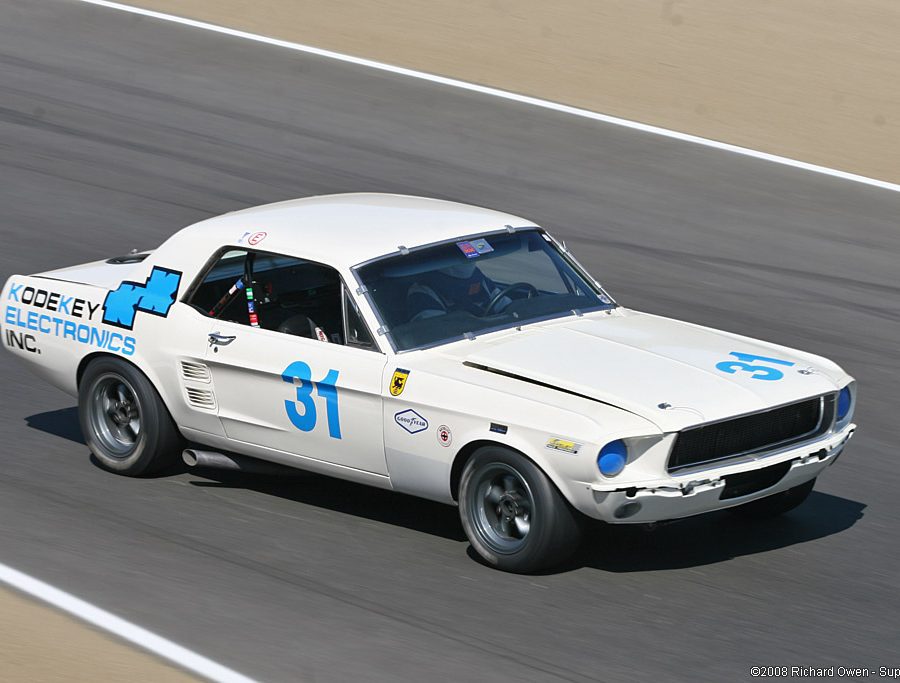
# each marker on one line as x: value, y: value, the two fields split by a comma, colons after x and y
x: 778, y: 504
x: 124, y: 421
x: 513, y: 515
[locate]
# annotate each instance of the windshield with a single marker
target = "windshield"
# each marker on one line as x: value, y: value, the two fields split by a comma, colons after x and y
x: 456, y: 289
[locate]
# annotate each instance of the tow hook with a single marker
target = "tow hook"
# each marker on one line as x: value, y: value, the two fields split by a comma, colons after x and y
x: 813, y: 457
x: 688, y: 489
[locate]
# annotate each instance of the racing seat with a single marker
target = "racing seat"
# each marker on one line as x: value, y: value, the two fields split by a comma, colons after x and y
x: 302, y: 326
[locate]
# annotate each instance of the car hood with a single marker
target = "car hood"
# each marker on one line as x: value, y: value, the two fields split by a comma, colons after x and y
x: 658, y: 368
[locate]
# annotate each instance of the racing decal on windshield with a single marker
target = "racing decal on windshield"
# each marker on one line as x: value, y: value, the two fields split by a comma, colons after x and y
x: 482, y: 246
x: 59, y: 315
x: 398, y: 381
x: 475, y: 248
x: 155, y: 296
x: 411, y: 421
x: 467, y: 249
x: 299, y: 374
x: 758, y: 366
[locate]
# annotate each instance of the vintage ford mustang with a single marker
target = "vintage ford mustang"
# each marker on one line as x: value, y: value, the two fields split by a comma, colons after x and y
x: 442, y: 350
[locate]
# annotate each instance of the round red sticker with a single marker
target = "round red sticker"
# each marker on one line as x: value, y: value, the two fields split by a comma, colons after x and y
x: 445, y: 437
x: 256, y: 237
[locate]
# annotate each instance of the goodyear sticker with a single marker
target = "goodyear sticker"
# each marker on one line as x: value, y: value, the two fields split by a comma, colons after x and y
x: 563, y: 445
x: 411, y: 421
x: 398, y: 381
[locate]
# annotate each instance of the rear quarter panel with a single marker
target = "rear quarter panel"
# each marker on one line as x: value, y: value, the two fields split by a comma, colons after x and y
x: 53, y: 325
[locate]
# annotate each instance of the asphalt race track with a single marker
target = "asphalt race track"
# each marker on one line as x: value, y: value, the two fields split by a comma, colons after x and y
x: 117, y: 130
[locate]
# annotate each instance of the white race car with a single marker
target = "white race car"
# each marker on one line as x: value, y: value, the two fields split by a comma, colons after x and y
x: 442, y: 350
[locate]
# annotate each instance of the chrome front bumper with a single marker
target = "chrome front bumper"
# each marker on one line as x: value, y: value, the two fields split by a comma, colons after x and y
x: 703, y: 491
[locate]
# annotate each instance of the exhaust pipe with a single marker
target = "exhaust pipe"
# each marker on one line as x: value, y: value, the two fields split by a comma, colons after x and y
x: 234, y: 462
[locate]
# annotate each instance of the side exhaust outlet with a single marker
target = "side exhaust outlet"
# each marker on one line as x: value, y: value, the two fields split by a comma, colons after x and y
x: 236, y: 463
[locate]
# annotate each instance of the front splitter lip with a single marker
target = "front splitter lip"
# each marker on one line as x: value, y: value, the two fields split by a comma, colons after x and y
x: 703, y: 494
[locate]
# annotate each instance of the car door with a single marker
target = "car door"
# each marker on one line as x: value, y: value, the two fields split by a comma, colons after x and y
x: 314, y: 396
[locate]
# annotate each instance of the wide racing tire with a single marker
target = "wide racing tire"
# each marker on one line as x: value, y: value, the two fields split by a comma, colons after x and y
x: 124, y: 421
x: 513, y: 515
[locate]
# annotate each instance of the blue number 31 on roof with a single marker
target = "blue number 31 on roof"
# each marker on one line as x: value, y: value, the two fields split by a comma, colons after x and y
x: 155, y: 296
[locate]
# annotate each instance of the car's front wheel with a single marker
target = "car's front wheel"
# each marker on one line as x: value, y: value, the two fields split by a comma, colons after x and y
x: 513, y: 515
x: 778, y: 504
x: 124, y: 421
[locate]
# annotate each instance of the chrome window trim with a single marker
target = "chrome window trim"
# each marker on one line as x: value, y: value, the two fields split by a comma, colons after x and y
x: 345, y: 314
x: 217, y: 255
x: 384, y: 330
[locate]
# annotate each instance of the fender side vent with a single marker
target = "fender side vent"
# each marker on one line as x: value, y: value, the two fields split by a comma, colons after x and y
x: 197, y: 372
x: 201, y: 398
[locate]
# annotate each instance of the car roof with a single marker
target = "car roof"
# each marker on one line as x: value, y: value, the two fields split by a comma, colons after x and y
x: 345, y: 230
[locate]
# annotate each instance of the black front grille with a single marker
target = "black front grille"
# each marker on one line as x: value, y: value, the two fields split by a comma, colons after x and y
x: 752, y: 433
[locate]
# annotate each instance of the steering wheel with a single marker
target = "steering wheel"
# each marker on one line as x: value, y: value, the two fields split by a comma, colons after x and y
x: 524, y: 286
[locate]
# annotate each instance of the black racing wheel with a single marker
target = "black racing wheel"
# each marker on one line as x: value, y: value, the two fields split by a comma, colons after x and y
x: 124, y: 421
x: 513, y: 515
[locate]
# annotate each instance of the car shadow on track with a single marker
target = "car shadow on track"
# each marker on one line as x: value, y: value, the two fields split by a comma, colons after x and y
x: 298, y: 486
x: 62, y: 422
x: 692, y: 542
x: 344, y: 497
x: 712, y: 538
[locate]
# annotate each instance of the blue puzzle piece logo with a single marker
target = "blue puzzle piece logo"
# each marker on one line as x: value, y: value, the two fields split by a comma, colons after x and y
x: 155, y: 296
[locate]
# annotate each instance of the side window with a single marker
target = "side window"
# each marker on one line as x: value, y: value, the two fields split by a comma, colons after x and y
x: 357, y: 331
x: 280, y: 293
x: 216, y: 294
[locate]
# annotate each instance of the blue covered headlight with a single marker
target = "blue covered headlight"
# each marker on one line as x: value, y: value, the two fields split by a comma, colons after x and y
x: 845, y: 400
x: 612, y: 458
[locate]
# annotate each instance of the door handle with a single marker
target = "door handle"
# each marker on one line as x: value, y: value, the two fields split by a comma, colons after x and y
x: 220, y: 339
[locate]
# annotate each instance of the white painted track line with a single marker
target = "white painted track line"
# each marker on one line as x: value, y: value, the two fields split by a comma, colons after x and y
x: 125, y: 630
x: 496, y: 92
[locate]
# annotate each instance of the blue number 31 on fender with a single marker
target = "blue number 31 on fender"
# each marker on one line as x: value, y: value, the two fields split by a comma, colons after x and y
x: 299, y: 373
x: 745, y: 363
